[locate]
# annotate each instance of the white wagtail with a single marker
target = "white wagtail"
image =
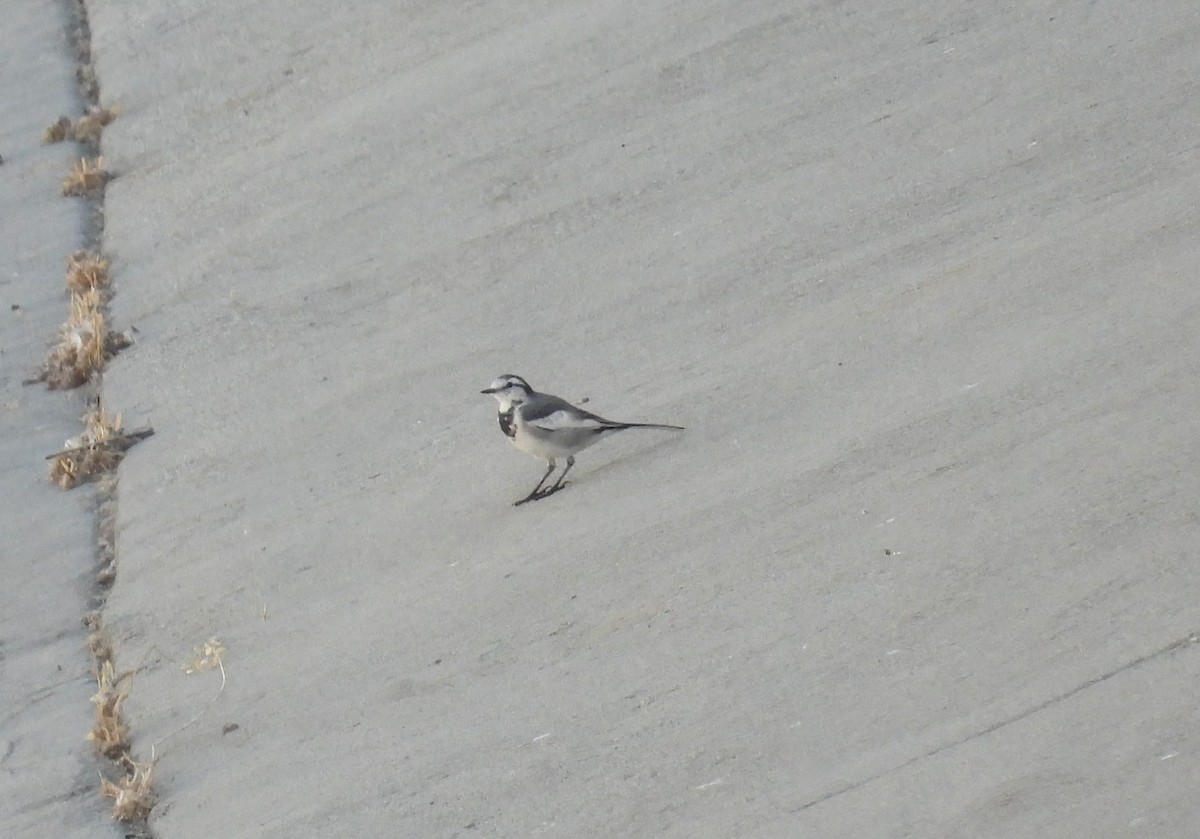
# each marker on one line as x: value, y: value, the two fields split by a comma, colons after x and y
x: 548, y: 427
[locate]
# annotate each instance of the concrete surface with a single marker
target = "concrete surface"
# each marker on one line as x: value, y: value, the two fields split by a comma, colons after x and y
x: 48, y: 781
x: 921, y: 283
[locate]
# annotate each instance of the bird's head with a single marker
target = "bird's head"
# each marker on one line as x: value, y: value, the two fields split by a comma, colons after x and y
x: 509, y: 390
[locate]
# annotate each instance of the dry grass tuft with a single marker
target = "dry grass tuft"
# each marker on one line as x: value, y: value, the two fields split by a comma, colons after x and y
x: 206, y: 656
x: 84, y: 345
x: 80, y: 349
x: 88, y: 128
x: 86, y: 271
x: 61, y: 129
x: 133, y: 795
x: 133, y: 792
x: 69, y: 470
x: 100, y: 649
x: 110, y: 735
x: 85, y: 333
x: 88, y: 454
x: 86, y: 177
x: 96, y: 451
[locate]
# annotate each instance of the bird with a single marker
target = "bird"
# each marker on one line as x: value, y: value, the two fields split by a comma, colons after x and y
x: 550, y: 428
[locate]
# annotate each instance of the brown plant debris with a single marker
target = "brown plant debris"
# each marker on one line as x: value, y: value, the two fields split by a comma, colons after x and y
x: 98, y: 646
x: 98, y: 450
x: 85, y: 344
x: 109, y: 735
x: 106, y: 537
x: 133, y: 794
x: 86, y: 177
x: 86, y: 271
x: 206, y: 656
x: 80, y: 349
x: 61, y: 129
x: 86, y: 129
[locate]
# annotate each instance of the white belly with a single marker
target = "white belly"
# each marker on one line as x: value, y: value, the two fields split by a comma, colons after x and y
x: 550, y: 446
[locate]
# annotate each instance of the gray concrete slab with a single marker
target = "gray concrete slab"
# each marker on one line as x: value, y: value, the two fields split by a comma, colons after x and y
x: 921, y: 284
x: 48, y: 781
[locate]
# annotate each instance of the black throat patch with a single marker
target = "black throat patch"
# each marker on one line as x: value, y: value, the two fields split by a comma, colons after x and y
x: 506, y: 422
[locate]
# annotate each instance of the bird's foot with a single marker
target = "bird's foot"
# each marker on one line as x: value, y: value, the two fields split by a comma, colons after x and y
x: 539, y: 494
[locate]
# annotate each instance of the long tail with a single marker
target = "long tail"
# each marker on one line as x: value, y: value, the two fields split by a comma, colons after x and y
x: 624, y: 425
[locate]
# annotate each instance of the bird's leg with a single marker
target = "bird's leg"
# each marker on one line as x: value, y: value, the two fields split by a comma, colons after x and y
x: 560, y: 483
x: 536, y: 493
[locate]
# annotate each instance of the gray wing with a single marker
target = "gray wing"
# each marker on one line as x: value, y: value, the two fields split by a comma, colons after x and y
x: 550, y: 413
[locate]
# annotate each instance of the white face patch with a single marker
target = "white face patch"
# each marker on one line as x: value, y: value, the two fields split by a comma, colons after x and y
x: 508, y: 391
x: 507, y: 401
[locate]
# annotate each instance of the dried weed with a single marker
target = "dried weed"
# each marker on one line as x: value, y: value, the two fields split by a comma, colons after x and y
x: 98, y: 646
x: 84, y: 345
x: 86, y: 177
x: 96, y: 451
x: 133, y: 794
x: 206, y: 656
x: 86, y: 271
x: 88, y: 128
x: 60, y: 130
x: 109, y: 735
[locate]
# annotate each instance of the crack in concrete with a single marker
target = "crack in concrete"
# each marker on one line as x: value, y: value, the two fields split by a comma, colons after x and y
x: 80, y: 38
x: 1188, y: 640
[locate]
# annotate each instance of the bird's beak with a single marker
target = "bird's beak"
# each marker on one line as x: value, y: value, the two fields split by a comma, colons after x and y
x: 489, y: 390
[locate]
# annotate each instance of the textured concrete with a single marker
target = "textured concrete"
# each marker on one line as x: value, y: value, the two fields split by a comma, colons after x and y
x: 922, y: 286
x: 48, y: 781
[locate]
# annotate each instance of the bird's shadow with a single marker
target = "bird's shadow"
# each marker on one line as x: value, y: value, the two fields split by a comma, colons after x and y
x: 621, y: 459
